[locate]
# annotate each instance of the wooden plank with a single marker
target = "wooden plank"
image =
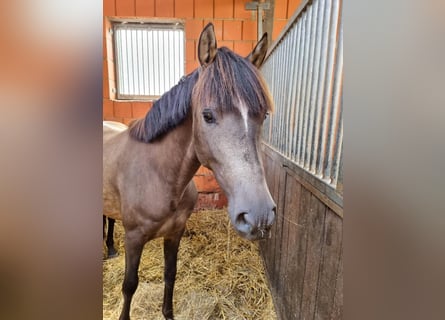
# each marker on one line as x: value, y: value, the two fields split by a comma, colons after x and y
x: 296, y: 251
x: 279, y: 236
x: 327, y: 279
x: 314, y: 245
x: 269, y: 254
x: 266, y: 245
x: 337, y: 308
x: 295, y: 236
x: 276, y: 229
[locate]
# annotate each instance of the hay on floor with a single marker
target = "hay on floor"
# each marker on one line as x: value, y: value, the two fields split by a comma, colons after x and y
x: 220, y: 275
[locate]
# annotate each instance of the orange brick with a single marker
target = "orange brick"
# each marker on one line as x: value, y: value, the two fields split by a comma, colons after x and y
x: 278, y: 25
x: 232, y: 30
x: 184, y: 8
x: 206, y: 184
x: 218, y: 26
x: 191, y: 65
x: 104, y: 69
x: 109, y: 8
x: 203, y: 171
x: 228, y: 44
x: 108, y: 108
x: 280, y: 10
x: 243, y: 48
x: 104, y: 48
x: 145, y: 8
x: 190, y: 50
x: 125, y: 8
x: 223, y: 9
x: 140, y: 109
x: 241, y: 12
x: 128, y: 121
x: 203, y: 9
x: 122, y: 109
x: 193, y: 29
x: 250, y: 30
x: 292, y: 6
x: 164, y: 8
x: 106, y: 89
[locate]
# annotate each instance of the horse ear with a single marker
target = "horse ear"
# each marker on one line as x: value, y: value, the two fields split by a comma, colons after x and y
x: 207, y: 45
x: 259, y: 53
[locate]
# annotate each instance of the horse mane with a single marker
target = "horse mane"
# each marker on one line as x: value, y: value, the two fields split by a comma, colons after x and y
x: 167, y: 112
x: 229, y: 80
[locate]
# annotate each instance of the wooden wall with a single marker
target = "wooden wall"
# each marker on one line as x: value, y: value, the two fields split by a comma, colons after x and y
x: 304, y: 257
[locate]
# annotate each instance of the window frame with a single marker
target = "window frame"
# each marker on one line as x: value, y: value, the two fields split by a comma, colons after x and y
x: 153, y: 23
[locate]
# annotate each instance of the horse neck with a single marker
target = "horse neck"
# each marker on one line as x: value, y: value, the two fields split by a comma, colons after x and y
x: 179, y: 157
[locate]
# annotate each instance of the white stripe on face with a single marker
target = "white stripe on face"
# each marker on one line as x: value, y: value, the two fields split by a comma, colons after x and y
x: 244, y: 113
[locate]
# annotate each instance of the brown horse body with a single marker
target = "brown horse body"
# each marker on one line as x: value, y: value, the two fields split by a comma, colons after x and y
x: 148, y: 168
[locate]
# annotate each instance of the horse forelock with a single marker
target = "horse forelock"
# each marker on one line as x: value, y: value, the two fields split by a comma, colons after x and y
x: 167, y: 112
x: 230, y: 82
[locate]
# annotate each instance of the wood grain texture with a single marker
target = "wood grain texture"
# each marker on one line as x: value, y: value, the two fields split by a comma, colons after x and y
x: 304, y: 256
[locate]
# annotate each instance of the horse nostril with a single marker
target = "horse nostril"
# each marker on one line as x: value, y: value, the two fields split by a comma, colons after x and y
x: 241, y: 218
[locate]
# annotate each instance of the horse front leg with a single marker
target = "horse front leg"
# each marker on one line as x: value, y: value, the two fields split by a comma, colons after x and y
x: 171, y: 246
x: 133, y: 249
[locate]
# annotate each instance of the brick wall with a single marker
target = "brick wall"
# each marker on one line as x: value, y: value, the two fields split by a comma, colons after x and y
x: 235, y: 28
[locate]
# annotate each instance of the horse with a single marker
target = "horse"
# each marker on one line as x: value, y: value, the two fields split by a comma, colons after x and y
x: 211, y: 117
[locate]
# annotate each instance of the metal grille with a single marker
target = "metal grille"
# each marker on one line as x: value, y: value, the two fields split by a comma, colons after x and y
x: 304, y: 71
x: 149, y: 58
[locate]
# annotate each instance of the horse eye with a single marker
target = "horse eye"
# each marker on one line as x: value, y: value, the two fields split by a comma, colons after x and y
x: 208, y: 116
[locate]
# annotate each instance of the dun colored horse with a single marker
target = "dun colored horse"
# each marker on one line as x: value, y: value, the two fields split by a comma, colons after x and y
x: 212, y: 117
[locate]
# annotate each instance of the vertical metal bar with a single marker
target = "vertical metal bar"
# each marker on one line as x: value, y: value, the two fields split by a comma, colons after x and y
x: 309, y: 138
x: 279, y: 96
x: 130, y: 61
x: 138, y: 62
x: 298, y: 102
x: 315, y: 85
x: 321, y: 87
x: 297, y: 83
x: 151, y: 62
x: 306, y: 93
x: 169, y: 80
x: 118, y: 42
x: 127, y: 60
x: 291, y: 91
x: 272, y: 115
x: 285, y: 90
x: 336, y: 133
x: 155, y: 63
x: 302, y: 146
x: 327, y: 101
x: 289, y: 68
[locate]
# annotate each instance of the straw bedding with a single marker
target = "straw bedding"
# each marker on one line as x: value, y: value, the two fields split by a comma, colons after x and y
x: 220, y: 275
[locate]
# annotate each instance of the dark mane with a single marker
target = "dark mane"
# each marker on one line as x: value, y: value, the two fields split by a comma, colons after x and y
x: 167, y: 112
x: 229, y: 80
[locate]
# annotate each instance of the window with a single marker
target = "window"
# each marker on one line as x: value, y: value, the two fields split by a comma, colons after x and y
x: 149, y: 58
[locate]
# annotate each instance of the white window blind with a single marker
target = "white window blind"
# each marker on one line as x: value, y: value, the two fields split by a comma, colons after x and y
x: 149, y: 58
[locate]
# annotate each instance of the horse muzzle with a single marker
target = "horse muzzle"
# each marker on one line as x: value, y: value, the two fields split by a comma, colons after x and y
x: 255, y: 227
